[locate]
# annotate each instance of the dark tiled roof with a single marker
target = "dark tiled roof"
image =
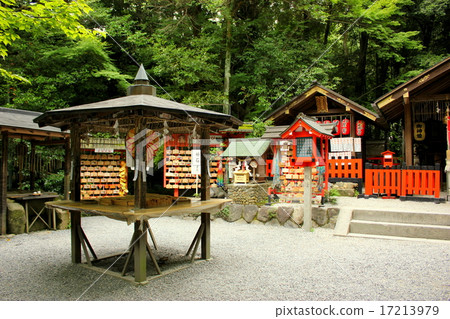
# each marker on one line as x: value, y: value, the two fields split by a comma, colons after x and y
x: 143, y: 102
x: 16, y: 118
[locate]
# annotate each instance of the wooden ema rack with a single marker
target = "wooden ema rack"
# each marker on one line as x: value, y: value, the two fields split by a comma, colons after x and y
x: 292, y: 178
x: 177, y: 169
x: 100, y: 175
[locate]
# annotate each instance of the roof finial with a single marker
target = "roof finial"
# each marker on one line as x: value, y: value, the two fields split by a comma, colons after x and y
x: 141, y: 75
x: 141, y: 84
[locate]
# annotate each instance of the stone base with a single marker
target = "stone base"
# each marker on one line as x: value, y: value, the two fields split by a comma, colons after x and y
x: 249, y: 194
x: 290, y: 216
x: 15, y: 218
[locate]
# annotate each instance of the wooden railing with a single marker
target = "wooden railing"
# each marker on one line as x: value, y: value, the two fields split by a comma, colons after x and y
x: 421, y: 182
x: 345, y: 168
x: 403, y: 182
x: 383, y: 181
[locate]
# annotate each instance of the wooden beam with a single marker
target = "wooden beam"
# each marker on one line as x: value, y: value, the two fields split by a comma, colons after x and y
x: 32, y: 166
x: 204, y: 159
x: 3, y: 182
x: 408, y: 142
x: 140, y: 187
x: 32, y: 132
x: 307, y: 198
x: 76, y: 162
x: 431, y: 98
x: 140, y: 255
x: 67, y: 169
x: 206, y: 236
x: 52, y: 142
x: 75, y: 223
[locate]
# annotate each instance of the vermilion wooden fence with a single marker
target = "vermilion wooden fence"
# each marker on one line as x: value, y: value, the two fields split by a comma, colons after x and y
x: 345, y: 168
x: 383, y: 181
x: 403, y: 182
x: 421, y: 182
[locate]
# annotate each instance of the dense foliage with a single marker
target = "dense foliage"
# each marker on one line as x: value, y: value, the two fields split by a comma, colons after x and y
x: 246, y: 55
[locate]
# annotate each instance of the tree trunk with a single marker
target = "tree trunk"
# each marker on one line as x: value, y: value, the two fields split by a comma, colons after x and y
x: 227, y: 72
x: 360, y: 85
x: 381, y: 75
x: 327, y: 27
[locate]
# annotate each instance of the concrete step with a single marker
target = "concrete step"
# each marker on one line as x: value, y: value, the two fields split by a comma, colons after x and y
x: 440, y: 219
x: 399, y: 229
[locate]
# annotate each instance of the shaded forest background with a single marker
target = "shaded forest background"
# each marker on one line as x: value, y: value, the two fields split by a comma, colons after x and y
x: 246, y: 57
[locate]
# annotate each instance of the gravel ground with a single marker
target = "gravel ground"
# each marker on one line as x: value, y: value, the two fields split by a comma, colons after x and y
x: 249, y: 262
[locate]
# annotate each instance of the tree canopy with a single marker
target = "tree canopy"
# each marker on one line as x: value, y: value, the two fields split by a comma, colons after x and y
x: 242, y: 56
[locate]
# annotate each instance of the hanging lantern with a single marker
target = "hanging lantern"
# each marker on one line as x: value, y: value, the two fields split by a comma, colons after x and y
x: 360, y: 128
x: 337, y: 128
x: 345, y: 127
x: 327, y: 122
x: 319, y: 122
x: 419, y: 131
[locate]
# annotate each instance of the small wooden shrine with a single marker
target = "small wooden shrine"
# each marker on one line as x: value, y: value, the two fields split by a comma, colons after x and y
x: 246, y: 160
x: 302, y: 144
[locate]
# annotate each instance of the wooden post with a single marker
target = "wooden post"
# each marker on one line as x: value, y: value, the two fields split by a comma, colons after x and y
x: 352, y: 125
x: 307, y: 198
x: 140, y: 187
x: 75, y: 144
x: 408, y: 130
x: 206, y: 237
x: 32, y: 165
x: 204, y: 159
x: 75, y: 222
x: 140, y: 253
x: 3, y: 182
x: 67, y: 169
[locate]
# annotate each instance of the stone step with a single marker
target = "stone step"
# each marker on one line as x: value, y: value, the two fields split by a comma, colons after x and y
x: 399, y: 229
x: 441, y: 219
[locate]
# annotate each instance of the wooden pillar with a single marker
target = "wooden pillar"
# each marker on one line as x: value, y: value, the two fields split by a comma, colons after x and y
x: 352, y: 125
x: 140, y: 187
x: 408, y: 130
x: 32, y: 165
x: 325, y: 158
x: 204, y: 159
x: 307, y: 198
x: 75, y: 222
x: 66, y: 168
x: 206, y: 237
x: 75, y: 144
x: 3, y: 182
x: 140, y: 253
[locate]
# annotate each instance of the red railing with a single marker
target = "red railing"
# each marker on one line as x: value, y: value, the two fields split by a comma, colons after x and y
x: 383, y: 181
x: 402, y: 182
x: 345, y: 168
x: 421, y: 182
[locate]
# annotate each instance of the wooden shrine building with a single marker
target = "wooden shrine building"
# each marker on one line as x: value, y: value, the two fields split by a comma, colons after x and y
x: 16, y: 123
x: 328, y: 106
x: 423, y: 104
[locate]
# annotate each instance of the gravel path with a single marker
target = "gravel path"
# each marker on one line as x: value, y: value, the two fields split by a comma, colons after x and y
x: 250, y: 262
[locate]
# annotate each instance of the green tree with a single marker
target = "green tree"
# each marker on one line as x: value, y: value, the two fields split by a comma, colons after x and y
x: 61, y: 73
x: 18, y: 17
